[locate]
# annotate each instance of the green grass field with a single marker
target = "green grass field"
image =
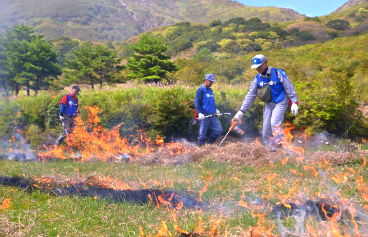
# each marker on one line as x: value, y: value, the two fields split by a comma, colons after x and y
x: 42, y: 213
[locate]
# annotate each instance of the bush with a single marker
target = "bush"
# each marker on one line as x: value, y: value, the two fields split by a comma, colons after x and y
x: 333, y: 35
x: 185, y: 24
x: 171, y: 113
x: 236, y: 21
x: 255, y: 24
x: 278, y: 30
x: 255, y: 47
x: 316, y: 19
x: 215, y: 23
x: 204, y: 55
x: 211, y: 45
x: 294, y: 31
x: 338, y: 24
x: 181, y: 46
x: 359, y: 18
x: 305, y: 36
x: 278, y: 45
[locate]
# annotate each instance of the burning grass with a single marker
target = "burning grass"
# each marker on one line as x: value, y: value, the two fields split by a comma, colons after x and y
x: 178, y: 189
x: 240, y: 198
x: 91, y: 142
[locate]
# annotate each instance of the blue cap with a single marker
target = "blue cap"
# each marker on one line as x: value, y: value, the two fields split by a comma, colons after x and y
x: 258, y: 60
x: 76, y: 88
x: 210, y: 77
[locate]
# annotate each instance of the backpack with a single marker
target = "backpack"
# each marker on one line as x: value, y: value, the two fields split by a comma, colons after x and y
x: 264, y: 93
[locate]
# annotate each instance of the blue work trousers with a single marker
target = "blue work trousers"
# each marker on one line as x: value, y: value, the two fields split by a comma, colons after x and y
x: 209, y: 123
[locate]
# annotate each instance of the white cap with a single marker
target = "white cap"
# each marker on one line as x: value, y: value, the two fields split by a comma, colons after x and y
x: 258, y: 60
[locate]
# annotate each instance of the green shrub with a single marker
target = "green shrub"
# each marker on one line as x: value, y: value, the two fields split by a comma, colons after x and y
x: 333, y: 35
x: 305, y: 36
x: 294, y: 31
x: 338, y: 24
x: 185, y: 24
x: 360, y: 18
x: 215, y: 23
x: 316, y: 19
x: 211, y: 45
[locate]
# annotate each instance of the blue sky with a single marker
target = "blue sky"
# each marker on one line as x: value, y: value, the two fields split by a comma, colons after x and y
x: 307, y: 7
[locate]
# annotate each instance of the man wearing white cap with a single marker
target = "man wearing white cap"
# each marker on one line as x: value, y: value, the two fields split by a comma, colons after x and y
x: 274, y: 88
x: 204, y: 103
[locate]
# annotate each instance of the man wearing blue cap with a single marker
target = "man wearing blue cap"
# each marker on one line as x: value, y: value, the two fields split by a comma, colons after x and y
x: 204, y: 103
x: 274, y: 88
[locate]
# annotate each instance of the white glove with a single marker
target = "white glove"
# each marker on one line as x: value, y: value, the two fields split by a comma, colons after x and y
x: 201, y: 116
x: 218, y: 112
x: 294, y: 109
x: 61, y: 118
x: 238, y: 115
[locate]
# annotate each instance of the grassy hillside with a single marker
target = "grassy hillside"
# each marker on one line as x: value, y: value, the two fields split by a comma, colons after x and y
x: 349, y: 4
x: 120, y: 19
x: 240, y: 36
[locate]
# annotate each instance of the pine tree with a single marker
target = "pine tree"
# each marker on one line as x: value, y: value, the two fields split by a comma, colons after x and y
x: 93, y: 64
x: 105, y: 63
x: 4, y: 72
x: 81, y: 67
x: 44, y: 57
x: 16, y: 49
x: 31, y: 60
x: 148, y: 63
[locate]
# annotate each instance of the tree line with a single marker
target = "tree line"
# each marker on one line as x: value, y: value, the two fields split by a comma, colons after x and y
x: 29, y: 61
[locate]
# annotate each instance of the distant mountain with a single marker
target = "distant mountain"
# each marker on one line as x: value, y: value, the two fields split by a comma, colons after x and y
x: 349, y: 4
x: 116, y: 20
x: 240, y: 36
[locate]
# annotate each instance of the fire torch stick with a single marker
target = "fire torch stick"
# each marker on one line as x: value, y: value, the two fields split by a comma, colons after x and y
x: 66, y: 131
x: 211, y: 115
x: 234, y: 121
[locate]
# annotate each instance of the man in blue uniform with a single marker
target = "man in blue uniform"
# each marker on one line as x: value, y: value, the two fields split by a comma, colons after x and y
x: 205, y: 105
x: 68, y: 113
x: 274, y: 88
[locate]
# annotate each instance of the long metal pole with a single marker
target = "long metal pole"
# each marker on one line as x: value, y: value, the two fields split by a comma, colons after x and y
x: 233, y: 123
x: 224, y: 137
x: 62, y: 122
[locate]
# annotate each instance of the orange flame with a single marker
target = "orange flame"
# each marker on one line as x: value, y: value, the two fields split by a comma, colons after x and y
x: 93, y: 142
x: 163, y: 231
x: 269, y: 179
x: 333, y: 217
x: 6, y: 204
x: 199, y: 229
x: 204, y: 188
x: 176, y: 226
x: 159, y: 140
x: 288, y: 138
x: 141, y: 233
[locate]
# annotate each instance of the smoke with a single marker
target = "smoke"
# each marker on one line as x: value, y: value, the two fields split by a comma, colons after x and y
x: 18, y: 148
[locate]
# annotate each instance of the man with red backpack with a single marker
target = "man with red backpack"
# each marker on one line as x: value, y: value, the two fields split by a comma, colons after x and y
x: 68, y: 113
x: 204, y: 103
x: 273, y: 87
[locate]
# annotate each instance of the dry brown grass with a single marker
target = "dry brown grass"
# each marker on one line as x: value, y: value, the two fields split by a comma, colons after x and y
x: 252, y: 154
